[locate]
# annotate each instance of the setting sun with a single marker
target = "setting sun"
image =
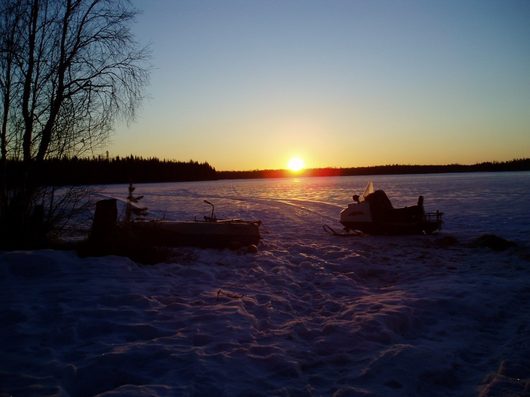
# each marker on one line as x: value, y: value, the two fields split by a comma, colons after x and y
x: 295, y: 164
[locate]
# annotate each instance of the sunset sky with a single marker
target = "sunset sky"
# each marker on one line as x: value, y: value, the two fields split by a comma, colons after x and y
x: 249, y: 84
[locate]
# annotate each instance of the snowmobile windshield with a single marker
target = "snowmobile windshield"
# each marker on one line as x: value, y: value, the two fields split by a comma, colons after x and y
x: 367, y: 191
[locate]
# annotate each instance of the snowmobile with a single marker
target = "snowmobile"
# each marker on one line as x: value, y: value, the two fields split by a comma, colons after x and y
x: 373, y: 213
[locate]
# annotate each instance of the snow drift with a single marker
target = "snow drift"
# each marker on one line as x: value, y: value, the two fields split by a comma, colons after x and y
x: 309, y: 315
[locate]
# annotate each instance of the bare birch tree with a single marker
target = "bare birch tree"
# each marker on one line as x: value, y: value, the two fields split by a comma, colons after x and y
x: 69, y: 69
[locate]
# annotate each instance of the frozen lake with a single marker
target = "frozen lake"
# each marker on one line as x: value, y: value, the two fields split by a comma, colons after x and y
x: 473, y: 203
x: 309, y: 315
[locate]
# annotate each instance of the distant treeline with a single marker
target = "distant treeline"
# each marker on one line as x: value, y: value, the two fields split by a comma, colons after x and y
x: 393, y: 169
x: 101, y: 170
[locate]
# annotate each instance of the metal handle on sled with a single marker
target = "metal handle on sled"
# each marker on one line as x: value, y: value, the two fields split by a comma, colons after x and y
x: 212, y: 215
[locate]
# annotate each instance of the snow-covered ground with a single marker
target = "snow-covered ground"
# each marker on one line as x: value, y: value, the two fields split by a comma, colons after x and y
x: 309, y: 315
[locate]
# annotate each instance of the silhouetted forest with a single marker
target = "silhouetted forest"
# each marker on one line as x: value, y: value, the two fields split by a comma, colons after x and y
x: 393, y: 169
x: 101, y: 170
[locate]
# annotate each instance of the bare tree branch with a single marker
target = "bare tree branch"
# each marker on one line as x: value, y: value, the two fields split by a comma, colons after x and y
x: 69, y: 69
